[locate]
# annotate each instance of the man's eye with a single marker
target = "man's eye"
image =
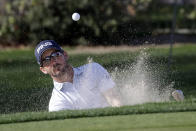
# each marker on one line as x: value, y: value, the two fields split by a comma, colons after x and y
x: 47, y: 59
x: 53, y: 55
x: 58, y: 54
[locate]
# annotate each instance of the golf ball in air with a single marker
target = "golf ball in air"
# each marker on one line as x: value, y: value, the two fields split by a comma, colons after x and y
x: 75, y: 16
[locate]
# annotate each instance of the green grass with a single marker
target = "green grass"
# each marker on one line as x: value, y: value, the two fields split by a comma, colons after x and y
x: 24, y: 88
x: 124, y: 110
x: 145, y: 122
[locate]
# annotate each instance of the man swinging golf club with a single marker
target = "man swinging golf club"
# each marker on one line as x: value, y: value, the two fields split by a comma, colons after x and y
x: 84, y: 87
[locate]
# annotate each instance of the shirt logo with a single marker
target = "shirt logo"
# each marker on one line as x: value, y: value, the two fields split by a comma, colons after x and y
x: 43, y: 45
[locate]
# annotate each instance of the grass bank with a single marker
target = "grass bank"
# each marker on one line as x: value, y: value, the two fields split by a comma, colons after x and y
x: 125, y: 110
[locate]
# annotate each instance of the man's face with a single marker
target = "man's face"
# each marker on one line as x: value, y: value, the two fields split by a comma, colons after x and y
x: 54, y: 63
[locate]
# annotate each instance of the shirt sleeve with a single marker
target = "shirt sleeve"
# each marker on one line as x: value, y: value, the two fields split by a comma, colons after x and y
x: 104, y: 78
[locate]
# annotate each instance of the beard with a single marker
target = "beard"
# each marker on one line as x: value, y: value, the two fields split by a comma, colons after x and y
x: 59, y: 70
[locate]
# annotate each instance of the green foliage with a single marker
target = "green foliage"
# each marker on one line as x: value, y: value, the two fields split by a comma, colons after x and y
x: 102, y: 22
x: 45, y: 19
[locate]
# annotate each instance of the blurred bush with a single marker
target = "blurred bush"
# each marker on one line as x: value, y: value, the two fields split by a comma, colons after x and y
x: 110, y: 22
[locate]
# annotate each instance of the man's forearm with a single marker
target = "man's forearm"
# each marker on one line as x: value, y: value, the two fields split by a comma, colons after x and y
x: 112, y: 98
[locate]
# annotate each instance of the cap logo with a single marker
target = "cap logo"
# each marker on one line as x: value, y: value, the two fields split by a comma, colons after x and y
x: 43, y: 45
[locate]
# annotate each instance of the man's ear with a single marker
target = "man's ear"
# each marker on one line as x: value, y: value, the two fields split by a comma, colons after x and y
x: 43, y: 70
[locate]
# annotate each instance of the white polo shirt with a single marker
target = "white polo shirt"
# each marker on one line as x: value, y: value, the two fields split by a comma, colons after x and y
x: 86, y: 91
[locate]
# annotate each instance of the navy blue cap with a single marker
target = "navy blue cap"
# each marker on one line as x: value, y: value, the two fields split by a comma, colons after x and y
x: 43, y: 46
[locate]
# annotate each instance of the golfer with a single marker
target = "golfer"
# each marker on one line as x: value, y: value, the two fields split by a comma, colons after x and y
x: 84, y: 87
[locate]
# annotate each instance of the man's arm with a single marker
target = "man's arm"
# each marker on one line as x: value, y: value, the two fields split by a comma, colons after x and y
x: 112, y: 97
x: 107, y: 86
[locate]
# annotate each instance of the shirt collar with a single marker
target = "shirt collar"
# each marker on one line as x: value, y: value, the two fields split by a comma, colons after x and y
x: 58, y: 85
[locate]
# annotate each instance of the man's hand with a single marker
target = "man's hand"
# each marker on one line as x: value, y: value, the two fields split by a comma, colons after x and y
x: 112, y: 98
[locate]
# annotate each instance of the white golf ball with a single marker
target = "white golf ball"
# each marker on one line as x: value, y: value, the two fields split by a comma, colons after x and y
x: 75, y: 16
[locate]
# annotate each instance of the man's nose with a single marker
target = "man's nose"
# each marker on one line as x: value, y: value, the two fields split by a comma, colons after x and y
x: 53, y: 60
